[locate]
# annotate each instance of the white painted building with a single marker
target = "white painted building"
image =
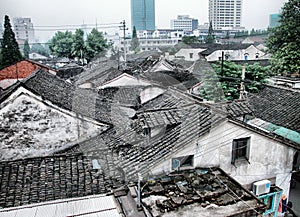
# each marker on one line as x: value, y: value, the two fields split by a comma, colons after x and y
x: 225, y: 14
x: 184, y: 22
x: 147, y: 44
x: 23, y: 28
x: 191, y: 54
x: 250, y: 53
x: 245, y: 154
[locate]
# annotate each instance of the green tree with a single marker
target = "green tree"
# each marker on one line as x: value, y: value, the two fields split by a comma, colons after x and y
x: 96, y: 44
x: 135, y: 44
x: 78, y: 46
x: 61, y: 44
x: 210, y: 35
x: 10, y: 49
x: 230, y: 79
x: 255, y: 77
x: 26, y: 49
x: 284, y: 40
x: 190, y: 40
x: 40, y: 49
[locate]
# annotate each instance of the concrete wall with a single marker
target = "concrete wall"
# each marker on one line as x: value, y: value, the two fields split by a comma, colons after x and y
x: 189, y: 54
x: 268, y: 159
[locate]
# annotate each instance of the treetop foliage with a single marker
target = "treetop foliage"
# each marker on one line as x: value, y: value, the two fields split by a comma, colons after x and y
x: 284, y: 40
x: 135, y: 44
x: 210, y: 35
x: 67, y: 44
x: 230, y: 79
x: 10, y: 52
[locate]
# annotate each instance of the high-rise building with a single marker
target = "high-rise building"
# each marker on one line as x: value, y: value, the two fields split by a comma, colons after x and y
x: 184, y: 22
x: 23, y: 28
x: 274, y: 20
x: 143, y: 14
x: 225, y: 14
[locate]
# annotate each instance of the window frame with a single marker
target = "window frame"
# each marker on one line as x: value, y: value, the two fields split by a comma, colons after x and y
x: 183, y: 162
x: 240, y: 150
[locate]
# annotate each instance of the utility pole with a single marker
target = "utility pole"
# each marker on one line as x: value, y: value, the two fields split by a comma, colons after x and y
x: 242, y: 88
x: 222, y: 64
x: 123, y: 27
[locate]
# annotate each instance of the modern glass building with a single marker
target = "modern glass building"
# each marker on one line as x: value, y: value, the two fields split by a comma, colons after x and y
x: 274, y: 20
x: 225, y: 14
x: 143, y: 14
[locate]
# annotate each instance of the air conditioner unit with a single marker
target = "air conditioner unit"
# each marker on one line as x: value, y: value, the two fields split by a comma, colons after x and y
x: 261, y: 187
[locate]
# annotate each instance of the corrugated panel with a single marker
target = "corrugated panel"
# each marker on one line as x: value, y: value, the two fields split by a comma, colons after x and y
x: 46, y: 211
x: 108, y: 213
x: 6, y: 214
x: 96, y: 206
x: 25, y: 212
x: 63, y: 209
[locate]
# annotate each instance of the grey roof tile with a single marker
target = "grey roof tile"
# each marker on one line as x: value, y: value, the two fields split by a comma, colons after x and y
x: 280, y: 106
x: 49, y: 178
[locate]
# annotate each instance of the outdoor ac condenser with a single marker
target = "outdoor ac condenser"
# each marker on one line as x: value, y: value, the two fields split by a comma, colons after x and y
x: 261, y: 187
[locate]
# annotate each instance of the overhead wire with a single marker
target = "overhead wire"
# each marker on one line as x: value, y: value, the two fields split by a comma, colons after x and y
x: 227, y: 187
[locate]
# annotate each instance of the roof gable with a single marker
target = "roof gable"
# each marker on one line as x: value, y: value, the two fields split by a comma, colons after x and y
x: 124, y: 80
x: 31, y: 126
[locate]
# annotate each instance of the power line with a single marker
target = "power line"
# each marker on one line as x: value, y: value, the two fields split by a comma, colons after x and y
x: 80, y: 25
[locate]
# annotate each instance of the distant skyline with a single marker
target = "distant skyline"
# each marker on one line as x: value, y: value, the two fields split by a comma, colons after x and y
x: 255, y: 13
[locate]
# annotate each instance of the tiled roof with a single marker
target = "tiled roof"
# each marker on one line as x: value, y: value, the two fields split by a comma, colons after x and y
x: 236, y: 108
x: 169, y: 99
x: 21, y: 69
x: 279, y: 106
x: 98, y: 73
x: 69, y: 70
x: 127, y: 96
x: 151, y: 119
x: 65, y: 95
x: 43, y: 179
x: 129, y: 149
x: 214, y: 47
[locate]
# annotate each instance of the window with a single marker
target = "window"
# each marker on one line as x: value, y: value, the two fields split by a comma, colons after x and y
x: 191, y: 55
x: 240, y: 150
x: 181, y: 162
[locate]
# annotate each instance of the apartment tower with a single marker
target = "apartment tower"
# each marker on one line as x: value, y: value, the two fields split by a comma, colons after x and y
x: 23, y: 28
x: 184, y: 22
x: 225, y: 14
x: 143, y: 14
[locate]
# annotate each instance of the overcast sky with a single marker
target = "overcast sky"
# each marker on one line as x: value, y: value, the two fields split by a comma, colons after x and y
x: 74, y: 12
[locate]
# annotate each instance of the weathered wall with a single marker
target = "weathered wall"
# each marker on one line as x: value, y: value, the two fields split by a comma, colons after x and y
x: 268, y: 159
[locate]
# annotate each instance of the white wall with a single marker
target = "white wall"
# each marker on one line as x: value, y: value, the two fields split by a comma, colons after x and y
x: 186, y: 54
x: 236, y: 54
x: 268, y: 158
